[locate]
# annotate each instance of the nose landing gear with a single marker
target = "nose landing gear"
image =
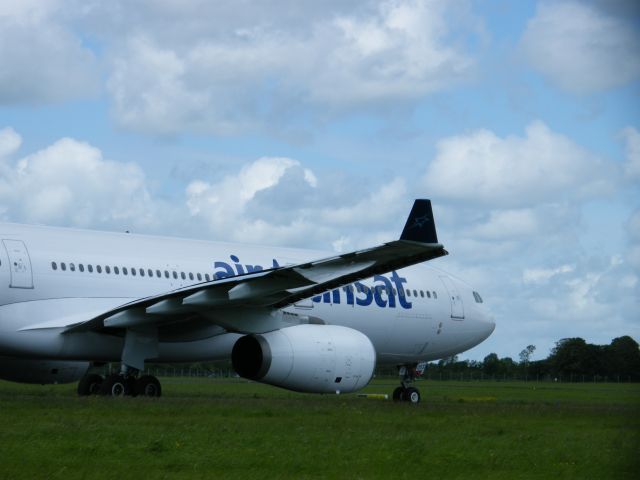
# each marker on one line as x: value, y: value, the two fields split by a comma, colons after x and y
x: 409, y: 373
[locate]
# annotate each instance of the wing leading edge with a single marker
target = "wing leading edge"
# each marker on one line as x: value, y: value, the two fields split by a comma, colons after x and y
x: 273, y: 289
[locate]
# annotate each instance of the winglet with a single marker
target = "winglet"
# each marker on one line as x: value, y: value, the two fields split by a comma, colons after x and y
x: 420, y: 226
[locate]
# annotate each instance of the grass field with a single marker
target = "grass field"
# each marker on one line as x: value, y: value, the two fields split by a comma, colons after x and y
x: 205, y: 428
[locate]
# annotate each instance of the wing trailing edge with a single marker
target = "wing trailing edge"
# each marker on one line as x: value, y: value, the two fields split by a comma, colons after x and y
x: 276, y: 288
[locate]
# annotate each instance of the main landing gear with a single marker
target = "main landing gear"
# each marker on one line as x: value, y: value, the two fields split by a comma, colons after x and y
x: 119, y: 385
x: 406, y: 393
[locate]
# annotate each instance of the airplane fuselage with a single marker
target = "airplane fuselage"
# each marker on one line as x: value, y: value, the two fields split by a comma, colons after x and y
x: 53, y: 277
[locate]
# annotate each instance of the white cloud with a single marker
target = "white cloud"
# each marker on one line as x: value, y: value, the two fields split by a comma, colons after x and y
x: 632, y: 163
x: 580, y: 48
x: 277, y: 201
x: 218, y: 79
x: 543, y: 275
x: 633, y: 228
x: 503, y: 224
x: 229, y: 196
x: 10, y: 142
x: 514, y: 171
x: 70, y: 183
x: 229, y: 205
x: 42, y: 60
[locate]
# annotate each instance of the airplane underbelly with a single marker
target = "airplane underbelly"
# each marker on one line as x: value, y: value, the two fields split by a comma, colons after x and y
x: 28, y: 327
x: 409, y: 335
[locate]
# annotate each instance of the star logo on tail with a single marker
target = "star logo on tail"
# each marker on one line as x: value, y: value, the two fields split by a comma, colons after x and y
x: 420, y: 222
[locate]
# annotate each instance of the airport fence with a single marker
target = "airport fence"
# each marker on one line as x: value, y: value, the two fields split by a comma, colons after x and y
x: 228, y: 372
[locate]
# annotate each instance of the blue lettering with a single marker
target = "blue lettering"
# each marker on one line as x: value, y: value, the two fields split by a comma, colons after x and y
x: 348, y: 289
x: 227, y: 271
x: 368, y: 298
x: 336, y: 295
x: 236, y: 260
x: 379, y: 290
x: 356, y: 294
x: 398, y: 281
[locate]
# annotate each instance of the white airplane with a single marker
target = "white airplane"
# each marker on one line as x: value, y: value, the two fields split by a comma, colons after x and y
x: 72, y: 299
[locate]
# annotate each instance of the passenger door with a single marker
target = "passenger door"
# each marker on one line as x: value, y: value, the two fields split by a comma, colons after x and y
x: 19, y: 264
x: 457, y: 307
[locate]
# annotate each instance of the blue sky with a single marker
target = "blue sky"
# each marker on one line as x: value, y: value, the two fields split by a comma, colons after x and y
x: 315, y: 124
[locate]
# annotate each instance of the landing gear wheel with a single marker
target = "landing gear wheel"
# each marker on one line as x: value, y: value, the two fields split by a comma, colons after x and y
x: 412, y: 395
x: 116, y: 386
x: 90, y: 385
x: 398, y: 394
x: 148, y: 386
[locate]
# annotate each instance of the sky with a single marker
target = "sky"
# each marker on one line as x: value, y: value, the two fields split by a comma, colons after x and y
x: 315, y: 124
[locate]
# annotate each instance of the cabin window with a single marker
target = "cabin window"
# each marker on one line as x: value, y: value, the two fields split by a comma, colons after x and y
x: 428, y: 294
x: 207, y: 277
x: 183, y: 276
x: 54, y: 266
x: 124, y: 271
x: 408, y: 293
x: 98, y: 269
x: 175, y: 274
x: 116, y: 270
x: 190, y: 276
x: 199, y: 277
x: 107, y: 269
x: 158, y: 274
x: 422, y: 293
x: 72, y: 267
x: 90, y: 268
x: 415, y: 293
x: 63, y: 266
x: 81, y: 267
x: 166, y: 274
x: 133, y: 272
x: 142, y: 272
x: 435, y: 295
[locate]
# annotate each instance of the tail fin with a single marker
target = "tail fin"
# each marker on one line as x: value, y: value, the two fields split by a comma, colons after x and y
x: 420, y: 226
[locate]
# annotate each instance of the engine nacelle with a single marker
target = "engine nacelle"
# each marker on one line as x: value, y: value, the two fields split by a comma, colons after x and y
x: 25, y: 370
x: 307, y: 358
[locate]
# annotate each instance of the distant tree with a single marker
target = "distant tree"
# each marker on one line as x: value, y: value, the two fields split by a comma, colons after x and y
x: 450, y: 360
x: 525, y: 355
x: 574, y: 356
x: 570, y: 356
x: 622, y: 357
x: 491, y: 364
x: 507, y: 365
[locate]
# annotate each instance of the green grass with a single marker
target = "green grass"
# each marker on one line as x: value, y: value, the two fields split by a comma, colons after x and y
x: 204, y: 428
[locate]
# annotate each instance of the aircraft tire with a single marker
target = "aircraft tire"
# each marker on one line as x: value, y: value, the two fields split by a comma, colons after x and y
x: 116, y: 386
x: 412, y: 395
x: 90, y: 385
x: 148, y: 386
x: 398, y: 394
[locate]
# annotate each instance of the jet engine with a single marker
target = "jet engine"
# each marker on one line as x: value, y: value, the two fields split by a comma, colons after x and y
x: 307, y: 358
x: 41, y: 371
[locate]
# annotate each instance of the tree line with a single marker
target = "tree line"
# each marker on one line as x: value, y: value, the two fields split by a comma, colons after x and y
x: 572, y: 359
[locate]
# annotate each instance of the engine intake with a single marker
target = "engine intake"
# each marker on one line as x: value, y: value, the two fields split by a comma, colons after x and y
x: 307, y: 358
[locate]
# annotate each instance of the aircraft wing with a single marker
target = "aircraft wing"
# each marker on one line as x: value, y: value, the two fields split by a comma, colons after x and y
x: 243, y: 303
